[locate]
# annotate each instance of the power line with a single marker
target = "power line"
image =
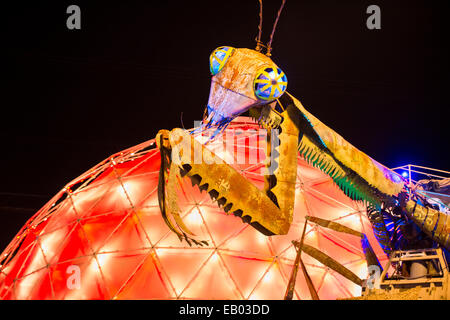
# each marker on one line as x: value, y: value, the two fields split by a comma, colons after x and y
x: 23, y: 195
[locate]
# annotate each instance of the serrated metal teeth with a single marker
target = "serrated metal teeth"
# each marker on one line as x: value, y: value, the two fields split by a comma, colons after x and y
x: 222, y: 201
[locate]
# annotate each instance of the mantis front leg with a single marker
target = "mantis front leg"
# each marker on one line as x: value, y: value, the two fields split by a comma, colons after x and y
x: 270, y: 211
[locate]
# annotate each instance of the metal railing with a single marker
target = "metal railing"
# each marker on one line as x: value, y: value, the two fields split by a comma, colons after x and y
x: 420, y: 172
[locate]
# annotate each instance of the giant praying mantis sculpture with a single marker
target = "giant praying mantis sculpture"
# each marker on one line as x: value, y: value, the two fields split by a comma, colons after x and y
x: 248, y: 80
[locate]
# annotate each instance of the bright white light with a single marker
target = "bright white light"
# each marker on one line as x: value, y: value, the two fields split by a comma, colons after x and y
x: 51, y: 240
x: 103, y: 259
x: 261, y: 238
x: 214, y: 257
x: 24, y: 286
x: 127, y: 188
x: 268, y: 277
x: 254, y: 297
x: 194, y: 218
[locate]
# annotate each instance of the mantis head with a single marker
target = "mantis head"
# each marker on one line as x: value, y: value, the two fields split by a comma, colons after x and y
x: 241, y: 79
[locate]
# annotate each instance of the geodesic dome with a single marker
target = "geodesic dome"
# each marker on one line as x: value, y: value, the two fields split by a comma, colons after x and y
x: 107, y: 226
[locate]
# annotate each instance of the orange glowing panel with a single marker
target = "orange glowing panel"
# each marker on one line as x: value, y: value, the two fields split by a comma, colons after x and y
x: 103, y: 237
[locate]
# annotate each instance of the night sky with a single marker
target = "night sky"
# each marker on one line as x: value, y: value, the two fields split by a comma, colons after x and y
x: 73, y: 97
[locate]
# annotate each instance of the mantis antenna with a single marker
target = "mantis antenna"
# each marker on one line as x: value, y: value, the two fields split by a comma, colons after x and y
x: 269, y: 44
x: 259, y: 44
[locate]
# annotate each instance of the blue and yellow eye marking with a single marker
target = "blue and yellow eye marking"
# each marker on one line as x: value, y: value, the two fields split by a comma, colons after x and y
x: 270, y: 83
x: 218, y: 58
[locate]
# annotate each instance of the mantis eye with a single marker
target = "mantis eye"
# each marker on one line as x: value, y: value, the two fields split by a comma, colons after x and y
x: 270, y: 83
x: 218, y: 59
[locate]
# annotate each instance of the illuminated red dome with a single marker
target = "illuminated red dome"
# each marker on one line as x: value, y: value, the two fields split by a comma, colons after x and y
x: 107, y: 223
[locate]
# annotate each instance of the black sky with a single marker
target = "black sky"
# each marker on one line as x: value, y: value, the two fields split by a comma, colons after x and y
x: 73, y: 97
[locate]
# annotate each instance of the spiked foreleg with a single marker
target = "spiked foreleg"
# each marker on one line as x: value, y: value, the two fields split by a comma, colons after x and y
x: 433, y: 223
x: 364, y: 177
x: 281, y: 164
x: 231, y: 190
